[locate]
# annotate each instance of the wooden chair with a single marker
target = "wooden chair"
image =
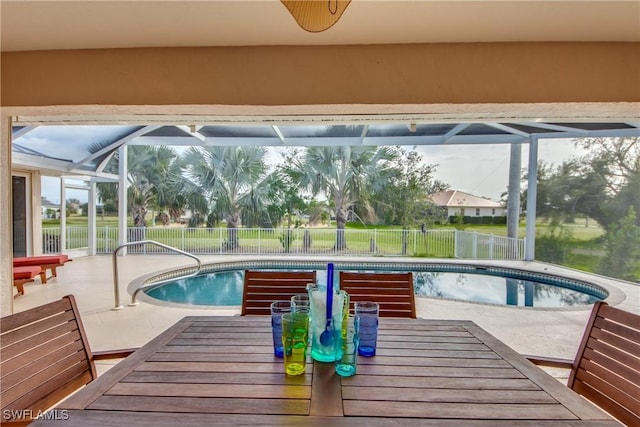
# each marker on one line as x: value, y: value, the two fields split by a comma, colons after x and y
x: 606, y: 369
x: 393, y: 291
x: 45, y: 356
x: 261, y: 288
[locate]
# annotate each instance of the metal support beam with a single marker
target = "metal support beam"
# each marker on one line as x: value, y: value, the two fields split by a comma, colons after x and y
x: 62, y: 241
x: 532, y: 193
x: 123, y: 212
x: 277, y: 131
x: 92, y: 225
x: 513, y: 200
x: 117, y: 144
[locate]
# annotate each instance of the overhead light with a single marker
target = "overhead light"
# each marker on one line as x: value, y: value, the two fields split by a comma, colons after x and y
x: 316, y: 15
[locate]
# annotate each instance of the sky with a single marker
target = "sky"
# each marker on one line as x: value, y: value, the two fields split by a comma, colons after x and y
x: 481, y: 170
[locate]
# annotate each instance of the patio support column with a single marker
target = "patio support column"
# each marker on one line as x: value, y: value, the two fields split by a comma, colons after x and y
x: 36, y: 213
x: 91, y: 213
x: 513, y: 198
x: 532, y: 193
x: 62, y: 240
x: 123, y: 214
x: 6, y: 228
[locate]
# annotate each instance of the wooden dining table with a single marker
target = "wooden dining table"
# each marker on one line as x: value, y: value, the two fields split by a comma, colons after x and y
x: 221, y: 371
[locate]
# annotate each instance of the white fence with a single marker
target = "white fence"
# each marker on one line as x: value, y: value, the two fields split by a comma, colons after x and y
x: 262, y: 241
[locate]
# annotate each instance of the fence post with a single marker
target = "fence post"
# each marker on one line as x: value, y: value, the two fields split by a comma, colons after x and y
x: 491, y: 247
x: 455, y: 244
x: 475, y: 245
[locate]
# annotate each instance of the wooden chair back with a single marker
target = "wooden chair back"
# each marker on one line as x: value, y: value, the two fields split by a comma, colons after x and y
x: 606, y: 369
x: 44, y: 357
x: 261, y: 288
x: 392, y: 291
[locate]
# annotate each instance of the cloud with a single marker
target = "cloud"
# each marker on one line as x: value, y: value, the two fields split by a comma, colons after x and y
x: 483, y: 169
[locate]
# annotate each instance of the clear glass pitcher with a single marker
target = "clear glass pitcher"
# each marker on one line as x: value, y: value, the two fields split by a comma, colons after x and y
x: 318, y: 323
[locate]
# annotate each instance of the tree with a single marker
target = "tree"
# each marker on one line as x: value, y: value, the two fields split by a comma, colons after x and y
x: 603, y: 185
x: 284, y: 195
x: 151, y: 171
x: 345, y: 175
x: 154, y: 180
x: 232, y: 182
x: 72, y: 205
x: 404, y: 198
x: 600, y: 185
x: 623, y: 249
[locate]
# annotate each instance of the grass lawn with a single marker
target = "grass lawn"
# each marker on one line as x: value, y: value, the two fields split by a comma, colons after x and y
x: 77, y: 220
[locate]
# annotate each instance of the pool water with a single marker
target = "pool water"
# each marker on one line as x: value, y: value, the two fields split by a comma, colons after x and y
x: 224, y: 288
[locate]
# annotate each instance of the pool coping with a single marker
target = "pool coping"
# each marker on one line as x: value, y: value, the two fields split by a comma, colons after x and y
x: 615, y: 294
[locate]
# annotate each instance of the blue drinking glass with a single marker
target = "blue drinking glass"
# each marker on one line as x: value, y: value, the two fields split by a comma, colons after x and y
x: 278, y: 308
x: 367, y: 315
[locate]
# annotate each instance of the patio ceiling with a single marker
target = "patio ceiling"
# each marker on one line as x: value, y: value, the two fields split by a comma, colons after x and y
x: 85, y: 149
x: 50, y: 25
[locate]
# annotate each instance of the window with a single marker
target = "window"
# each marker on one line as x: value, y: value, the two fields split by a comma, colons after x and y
x: 477, y: 211
x: 493, y: 211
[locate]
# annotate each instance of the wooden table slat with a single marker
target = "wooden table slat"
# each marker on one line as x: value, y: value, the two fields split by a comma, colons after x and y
x: 435, y: 371
x: 440, y: 344
x: 427, y: 339
x: 212, y: 390
x: 433, y: 361
x: 266, y: 348
x: 421, y: 333
x: 231, y: 336
x: 215, y: 367
x: 474, y: 383
x: 218, y: 378
x: 470, y: 395
x: 212, y: 405
x: 457, y: 410
x: 446, y: 353
x: 215, y: 328
x: 217, y: 357
x: 326, y: 397
x: 239, y: 341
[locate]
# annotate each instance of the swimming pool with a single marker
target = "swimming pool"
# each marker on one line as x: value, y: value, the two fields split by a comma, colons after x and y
x: 221, y: 285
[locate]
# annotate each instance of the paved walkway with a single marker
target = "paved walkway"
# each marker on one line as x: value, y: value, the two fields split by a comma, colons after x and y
x: 549, y: 332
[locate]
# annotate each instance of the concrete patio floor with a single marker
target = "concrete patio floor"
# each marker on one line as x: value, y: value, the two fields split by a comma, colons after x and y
x: 548, y: 332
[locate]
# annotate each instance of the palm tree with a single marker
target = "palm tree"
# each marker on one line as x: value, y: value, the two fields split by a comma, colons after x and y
x: 233, y: 180
x: 154, y: 178
x: 151, y: 175
x: 344, y: 175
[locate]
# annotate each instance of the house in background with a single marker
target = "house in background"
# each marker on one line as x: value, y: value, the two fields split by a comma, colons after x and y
x: 458, y: 201
x: 49, y: 210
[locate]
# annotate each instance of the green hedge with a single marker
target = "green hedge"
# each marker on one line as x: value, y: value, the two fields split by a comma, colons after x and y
x: 500, y: 220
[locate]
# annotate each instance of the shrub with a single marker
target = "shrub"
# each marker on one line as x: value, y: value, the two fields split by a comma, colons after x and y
x: 622, y: 244
x: 555, y: 245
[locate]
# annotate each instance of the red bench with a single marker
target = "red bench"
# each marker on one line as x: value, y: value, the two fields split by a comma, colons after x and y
x: 26, y: 274
x: 45, y: 262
